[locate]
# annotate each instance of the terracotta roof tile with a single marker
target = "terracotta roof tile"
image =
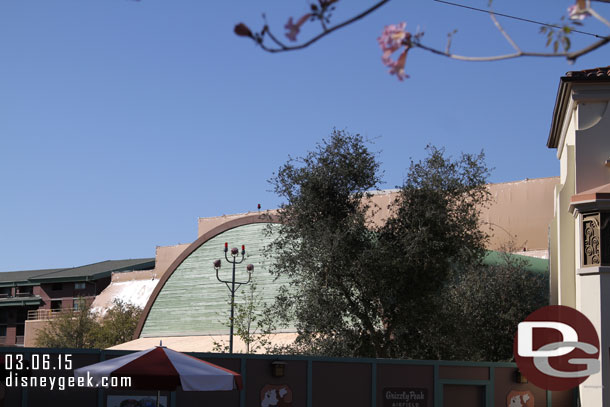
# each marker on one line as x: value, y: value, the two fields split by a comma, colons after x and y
x: 594, y: 73
x: 593, y: 194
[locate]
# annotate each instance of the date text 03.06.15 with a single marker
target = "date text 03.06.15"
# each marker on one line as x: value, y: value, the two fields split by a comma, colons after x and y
x: 43, y: 361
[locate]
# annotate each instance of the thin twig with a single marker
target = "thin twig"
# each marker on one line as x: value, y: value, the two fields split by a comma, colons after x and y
x: 504, y: 33
x: 489, y: 58
x: 574, y: 55
x: 284, y: 48
x: 323, y: 24
x: 600, y: 18
x: 278, y: 42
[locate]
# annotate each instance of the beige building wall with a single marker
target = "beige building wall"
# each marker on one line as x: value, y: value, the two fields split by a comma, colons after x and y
x: 165, y: 256
x: 206, y: 224
x: 202, y: 343
x: 581, y: 134
x: 563, y: 270
x: 519, y: 213
x: 31, y: 331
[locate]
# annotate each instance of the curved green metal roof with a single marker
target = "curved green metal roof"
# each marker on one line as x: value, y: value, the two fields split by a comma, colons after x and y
x: 534, y: 264
x: 194, y: 302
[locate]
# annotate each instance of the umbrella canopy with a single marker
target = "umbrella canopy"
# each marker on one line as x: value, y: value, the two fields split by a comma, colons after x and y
x: 161, y: 368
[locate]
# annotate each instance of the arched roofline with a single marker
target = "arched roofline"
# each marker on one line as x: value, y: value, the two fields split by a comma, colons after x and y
x: 245, y: 220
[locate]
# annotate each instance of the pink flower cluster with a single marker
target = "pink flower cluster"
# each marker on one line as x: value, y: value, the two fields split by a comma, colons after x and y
x: 579, y: 10
x: 394, y: 37
x: 294, y: 29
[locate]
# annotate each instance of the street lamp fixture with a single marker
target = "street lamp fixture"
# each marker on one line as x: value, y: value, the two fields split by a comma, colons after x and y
x: 232, y: 284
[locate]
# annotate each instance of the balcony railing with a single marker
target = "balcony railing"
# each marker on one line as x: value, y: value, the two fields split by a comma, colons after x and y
x: 19, y: 340
x: 17, y: 295
x: 37, y: 314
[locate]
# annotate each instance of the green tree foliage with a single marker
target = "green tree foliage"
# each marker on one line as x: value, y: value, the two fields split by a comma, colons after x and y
x: 117, y: 325
x: 361, y: 289
x: 84, y: 328
x: 482, y: 306
x: 324, y: 244
x: 69, y: 329
x: 477, y: 311
x: 252, y: 322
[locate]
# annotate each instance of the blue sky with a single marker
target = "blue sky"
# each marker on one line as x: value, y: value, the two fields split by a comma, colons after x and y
x: 122, y: 122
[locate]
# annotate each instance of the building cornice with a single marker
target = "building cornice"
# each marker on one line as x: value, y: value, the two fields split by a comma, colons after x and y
x: 568, y: 97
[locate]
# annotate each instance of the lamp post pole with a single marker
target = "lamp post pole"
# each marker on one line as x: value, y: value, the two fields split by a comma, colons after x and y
x: 233, y: 285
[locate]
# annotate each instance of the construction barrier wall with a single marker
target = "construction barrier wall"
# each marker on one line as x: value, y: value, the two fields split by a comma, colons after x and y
x: 306, y: 382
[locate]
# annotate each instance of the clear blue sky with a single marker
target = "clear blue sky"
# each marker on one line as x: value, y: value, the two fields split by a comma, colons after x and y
x: 122, y: 122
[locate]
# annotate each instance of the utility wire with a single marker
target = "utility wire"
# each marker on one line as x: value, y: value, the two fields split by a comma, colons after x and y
x: 518, y: 18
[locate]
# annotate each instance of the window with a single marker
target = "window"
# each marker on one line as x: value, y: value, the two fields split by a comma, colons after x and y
x: 24, y: 291
x: 55, y: 305
x: 21, y: 316
x: 57, y: 286
x: 3, y: 325
x: 79, y: 286
x: 5, y: 292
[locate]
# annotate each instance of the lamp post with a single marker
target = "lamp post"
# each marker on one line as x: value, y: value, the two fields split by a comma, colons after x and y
x: 233, y: 285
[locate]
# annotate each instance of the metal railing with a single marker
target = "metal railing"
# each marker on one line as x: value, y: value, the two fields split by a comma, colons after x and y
x: 37, y: 314
x: 17, y: 295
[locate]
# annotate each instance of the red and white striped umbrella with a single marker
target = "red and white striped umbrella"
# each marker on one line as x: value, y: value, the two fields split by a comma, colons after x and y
x: 161, y: 368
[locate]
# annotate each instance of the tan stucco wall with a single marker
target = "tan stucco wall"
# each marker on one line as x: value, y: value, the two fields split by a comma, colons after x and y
x: 135, y: 275
x: 206, y: 224
x: 565, y: 228
x: 165, y: 256
x: 582, y: 150
x: 202, y: 343
x: 591, y: 140
x: 31, y: 330
x: 520, y: 213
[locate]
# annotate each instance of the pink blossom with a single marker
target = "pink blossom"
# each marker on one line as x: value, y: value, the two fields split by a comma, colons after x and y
x: 398, y: 67
x: 392, y: 39
x: 293, y: 29
x: 579, y: 10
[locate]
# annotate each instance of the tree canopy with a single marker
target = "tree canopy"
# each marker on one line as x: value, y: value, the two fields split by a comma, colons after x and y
x: 84, y: 328
x: 360, y: 288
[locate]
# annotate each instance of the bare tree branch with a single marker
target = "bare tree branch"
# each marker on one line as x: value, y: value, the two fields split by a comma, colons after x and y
x: 508, y: 38
x: 274, y: 39
x: 279, y: 46
x: 600, y: 18
x: 284, y: 48
x: 572, y: 56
